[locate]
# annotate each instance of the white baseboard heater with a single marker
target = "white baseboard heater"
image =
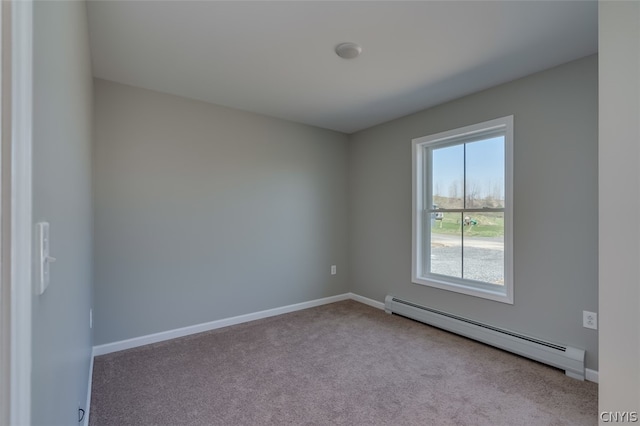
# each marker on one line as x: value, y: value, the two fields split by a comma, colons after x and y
x: 564, y: 357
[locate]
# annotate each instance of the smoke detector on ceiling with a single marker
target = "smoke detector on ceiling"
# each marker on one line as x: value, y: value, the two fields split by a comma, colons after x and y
x: 348, y: 50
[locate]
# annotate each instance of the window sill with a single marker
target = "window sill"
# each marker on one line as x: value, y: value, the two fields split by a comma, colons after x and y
x: 497, y: 296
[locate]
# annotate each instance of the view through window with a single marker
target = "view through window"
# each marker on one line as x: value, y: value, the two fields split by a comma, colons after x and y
x: 462, y: 226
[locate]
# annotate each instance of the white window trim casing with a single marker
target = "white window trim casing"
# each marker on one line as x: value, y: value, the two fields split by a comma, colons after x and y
x: 418, y: 206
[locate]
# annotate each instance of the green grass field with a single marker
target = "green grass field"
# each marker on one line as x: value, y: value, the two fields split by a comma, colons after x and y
x: 487, y: 225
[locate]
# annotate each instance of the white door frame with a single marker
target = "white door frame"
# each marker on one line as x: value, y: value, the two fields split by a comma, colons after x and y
x: 5, y: 138
x: 16, y: 201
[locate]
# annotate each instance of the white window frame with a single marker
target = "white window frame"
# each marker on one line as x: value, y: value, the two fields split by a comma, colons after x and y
x: 422, y: 223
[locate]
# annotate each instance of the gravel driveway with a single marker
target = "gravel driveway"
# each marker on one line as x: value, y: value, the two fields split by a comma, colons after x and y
x: 483, y: 257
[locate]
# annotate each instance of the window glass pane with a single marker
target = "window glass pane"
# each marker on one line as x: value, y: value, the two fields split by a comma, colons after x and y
x: 485, y: 173
x: 447, y: 173
x: 483, y: 247
x: 446, y: 244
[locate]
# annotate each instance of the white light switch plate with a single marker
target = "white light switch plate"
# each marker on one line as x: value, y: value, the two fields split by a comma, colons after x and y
x: 45, y: 259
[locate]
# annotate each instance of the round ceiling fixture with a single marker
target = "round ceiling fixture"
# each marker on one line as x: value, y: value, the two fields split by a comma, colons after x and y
x: 348, y: 50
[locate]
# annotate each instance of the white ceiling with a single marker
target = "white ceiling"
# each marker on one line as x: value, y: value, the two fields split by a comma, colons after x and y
x: 277, y: 58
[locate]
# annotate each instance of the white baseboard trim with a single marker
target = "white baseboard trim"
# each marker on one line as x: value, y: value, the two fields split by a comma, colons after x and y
x: 591, y: 375
x: 366, y: 301
x: 87, y: 405
x: 199, y: 328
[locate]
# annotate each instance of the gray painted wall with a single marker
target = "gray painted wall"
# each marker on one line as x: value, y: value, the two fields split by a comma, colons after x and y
x: 203, y: 212
x: 619, y: 148
x: 62, y: 196
x: 555, y: 204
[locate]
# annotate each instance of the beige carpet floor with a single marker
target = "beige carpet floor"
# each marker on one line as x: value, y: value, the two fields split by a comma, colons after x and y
x: 344, y: 363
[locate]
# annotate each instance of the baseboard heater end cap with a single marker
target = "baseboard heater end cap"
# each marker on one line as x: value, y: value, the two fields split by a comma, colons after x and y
x: 387, y: 304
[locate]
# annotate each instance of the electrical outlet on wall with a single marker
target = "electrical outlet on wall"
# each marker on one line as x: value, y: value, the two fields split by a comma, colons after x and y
x: 590, y: 320
x: 333, y: 270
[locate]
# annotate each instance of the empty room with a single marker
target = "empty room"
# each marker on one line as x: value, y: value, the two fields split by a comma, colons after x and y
x: 320, y: 212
